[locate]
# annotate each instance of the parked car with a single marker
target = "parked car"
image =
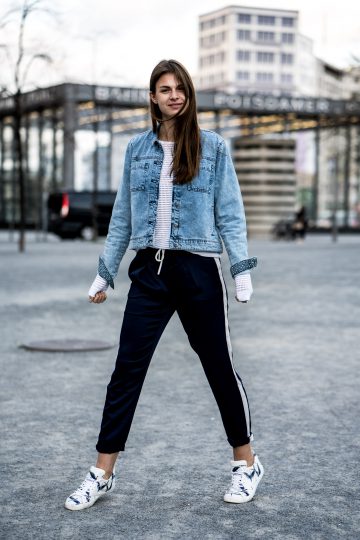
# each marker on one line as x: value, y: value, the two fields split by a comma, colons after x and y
x: 70, y: 213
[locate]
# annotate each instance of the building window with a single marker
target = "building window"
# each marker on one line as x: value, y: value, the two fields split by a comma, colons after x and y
x: 242, y: 75
x: 263, y: 77
x: 243, y: 35
x: 244, y: 18
x: 213, y: 39
x: 266, y: 19
x: 287, y: 21
x: 243, y: 56
x: 286, y: 78
x: 268, y: 37
x: 265, y: 57
x: 287, y: 38
x: 287, y: 58
x: 212, y: 59
x: 205, y: 25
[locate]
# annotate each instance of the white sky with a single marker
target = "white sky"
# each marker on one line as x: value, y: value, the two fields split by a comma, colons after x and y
x: 119, y: 42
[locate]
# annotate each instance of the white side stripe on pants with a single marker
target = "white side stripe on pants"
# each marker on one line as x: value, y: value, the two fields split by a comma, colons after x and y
x: 227, y: 331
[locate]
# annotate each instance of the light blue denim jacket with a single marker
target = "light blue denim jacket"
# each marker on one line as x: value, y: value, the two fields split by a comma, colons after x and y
x: 205, y: 211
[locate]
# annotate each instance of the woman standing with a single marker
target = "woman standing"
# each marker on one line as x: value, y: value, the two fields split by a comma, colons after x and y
x: 178, y: 200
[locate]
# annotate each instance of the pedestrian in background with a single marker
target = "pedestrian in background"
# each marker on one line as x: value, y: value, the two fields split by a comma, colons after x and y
x: 300, y: 225
x: 178, y: 200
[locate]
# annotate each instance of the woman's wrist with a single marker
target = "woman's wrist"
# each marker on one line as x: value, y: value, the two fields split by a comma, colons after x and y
x: 243, y: 287
x: 98, y: 285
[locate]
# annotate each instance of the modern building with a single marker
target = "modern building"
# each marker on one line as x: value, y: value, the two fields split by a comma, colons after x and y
x: 261, y: 50
x: 268, y: 181
x: 258, y: 51
x: 249, y: 49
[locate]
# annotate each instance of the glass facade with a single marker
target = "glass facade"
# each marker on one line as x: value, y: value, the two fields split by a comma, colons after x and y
x: 8, y: 187
x: 42, y: 148
x: 67, y: 146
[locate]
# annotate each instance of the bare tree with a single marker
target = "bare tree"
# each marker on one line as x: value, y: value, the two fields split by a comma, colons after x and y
x: 21, y: 65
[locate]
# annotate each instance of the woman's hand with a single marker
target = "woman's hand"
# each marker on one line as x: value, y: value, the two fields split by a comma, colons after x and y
x: 97, y: 294
x: 99, y: 298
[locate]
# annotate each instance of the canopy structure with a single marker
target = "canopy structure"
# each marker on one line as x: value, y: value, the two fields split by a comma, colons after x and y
x: 73, y: 135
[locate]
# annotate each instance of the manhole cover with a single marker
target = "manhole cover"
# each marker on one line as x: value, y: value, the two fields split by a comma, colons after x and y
x: 67, y: 345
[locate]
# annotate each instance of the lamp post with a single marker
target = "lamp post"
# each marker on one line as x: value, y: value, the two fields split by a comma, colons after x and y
x: 334, y: 167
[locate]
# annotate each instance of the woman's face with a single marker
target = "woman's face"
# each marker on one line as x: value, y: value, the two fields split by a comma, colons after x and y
x: 169, y: 95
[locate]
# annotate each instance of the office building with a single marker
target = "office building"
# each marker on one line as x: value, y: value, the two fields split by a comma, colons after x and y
x: 261, y: 50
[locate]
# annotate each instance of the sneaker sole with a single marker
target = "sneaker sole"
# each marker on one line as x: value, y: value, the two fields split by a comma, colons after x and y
x: 82, y: 506
x: 236, y: 499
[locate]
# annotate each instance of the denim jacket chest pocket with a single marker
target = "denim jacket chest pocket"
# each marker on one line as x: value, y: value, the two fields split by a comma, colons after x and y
x: 202, y: 183
x: 139, y: 173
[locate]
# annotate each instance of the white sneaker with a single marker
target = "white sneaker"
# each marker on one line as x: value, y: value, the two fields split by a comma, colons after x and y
x: 93, y: 487
x: 244, y: 481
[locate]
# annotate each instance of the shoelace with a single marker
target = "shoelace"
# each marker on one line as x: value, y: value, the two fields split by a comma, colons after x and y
x: 85, y: 486
x: 236, y: 480
x: 159, y: 257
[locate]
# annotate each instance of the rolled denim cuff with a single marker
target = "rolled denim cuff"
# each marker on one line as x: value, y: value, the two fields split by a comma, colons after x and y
x: 104, y: 273
x: 241, y: 266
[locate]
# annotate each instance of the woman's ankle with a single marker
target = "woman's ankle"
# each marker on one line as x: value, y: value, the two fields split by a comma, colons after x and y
x: 244, y: 453
x: 106, y: 462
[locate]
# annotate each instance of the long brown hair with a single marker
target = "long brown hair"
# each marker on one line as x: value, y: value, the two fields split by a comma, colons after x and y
x: 187, y: 133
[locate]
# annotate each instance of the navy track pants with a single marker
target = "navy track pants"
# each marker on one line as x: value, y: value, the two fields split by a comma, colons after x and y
x: 193, y: 286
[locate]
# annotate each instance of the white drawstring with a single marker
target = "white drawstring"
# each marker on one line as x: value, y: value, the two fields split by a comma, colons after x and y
x: 159, y: 257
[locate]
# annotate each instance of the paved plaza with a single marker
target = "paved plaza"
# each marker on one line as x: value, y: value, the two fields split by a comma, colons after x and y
x: 296, y: 346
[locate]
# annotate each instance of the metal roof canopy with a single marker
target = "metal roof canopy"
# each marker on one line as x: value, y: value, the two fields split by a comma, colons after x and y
x: 250, y: 104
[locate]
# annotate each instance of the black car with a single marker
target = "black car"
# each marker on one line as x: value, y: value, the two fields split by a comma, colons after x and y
x: 70, y: 213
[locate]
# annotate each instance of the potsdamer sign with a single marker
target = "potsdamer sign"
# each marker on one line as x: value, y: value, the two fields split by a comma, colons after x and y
x: 252, y: 103
x: 56, y: 96
x: 284, y: 104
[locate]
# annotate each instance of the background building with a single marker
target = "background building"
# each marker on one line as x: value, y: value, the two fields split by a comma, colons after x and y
x: 268, y: 182
x: 248, y: 49
x: 261, y: 50
x: 304, y: 147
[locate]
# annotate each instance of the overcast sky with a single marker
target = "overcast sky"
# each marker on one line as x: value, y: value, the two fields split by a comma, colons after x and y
x: 119, y: 42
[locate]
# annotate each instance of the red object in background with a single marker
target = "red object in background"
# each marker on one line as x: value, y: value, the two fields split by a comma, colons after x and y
x: 65, y: 205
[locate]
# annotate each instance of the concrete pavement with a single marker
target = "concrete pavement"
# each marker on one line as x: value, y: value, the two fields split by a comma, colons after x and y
x: 296, y: 346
